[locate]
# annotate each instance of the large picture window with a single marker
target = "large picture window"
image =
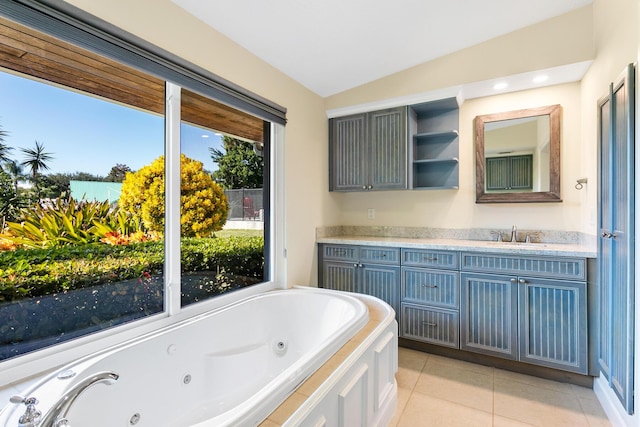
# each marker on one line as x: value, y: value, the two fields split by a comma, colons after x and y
x: 86, y: 167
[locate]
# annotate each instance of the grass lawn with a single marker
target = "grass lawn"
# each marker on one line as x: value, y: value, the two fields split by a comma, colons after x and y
x: 239, y: 233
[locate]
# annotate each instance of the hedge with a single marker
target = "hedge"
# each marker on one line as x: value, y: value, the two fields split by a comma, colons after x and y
x: 38, y: 272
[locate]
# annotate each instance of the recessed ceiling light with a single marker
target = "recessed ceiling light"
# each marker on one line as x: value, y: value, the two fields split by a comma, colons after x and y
x: 541, y: 78
x: 204, y: 136
x: 500, y: 86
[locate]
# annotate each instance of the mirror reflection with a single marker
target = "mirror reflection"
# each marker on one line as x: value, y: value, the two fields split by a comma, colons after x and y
x: 518, y: 156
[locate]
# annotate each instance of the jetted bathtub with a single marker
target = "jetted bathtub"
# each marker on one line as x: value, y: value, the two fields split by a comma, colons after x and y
x: 230, y: 367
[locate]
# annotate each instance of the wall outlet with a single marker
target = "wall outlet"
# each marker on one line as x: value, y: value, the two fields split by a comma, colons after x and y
x: 371, y: 213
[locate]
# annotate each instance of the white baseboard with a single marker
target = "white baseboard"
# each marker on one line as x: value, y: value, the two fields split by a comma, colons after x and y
x: 611, y: 405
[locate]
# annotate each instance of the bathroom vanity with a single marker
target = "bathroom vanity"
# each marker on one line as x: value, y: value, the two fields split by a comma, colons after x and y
x: 530, y: 303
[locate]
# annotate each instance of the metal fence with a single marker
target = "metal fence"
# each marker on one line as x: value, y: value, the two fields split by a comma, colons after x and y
x: 245, y: 204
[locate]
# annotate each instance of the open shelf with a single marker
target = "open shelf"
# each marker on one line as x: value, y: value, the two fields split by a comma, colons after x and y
x: 434, y: 144
x: 432, y: 136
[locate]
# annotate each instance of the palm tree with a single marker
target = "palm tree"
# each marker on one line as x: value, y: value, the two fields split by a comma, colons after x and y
x: 36, y: 160
x: 16, y: 171
x: 4, y: 148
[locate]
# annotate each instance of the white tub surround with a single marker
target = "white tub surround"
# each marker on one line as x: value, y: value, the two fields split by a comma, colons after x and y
x: 230, y: 367
x: 355, y: 387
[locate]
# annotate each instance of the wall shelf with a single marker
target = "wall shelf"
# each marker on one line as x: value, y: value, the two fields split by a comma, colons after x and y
x: 433, y: 148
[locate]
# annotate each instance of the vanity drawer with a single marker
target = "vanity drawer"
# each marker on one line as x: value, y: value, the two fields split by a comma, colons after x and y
x: 380, y: 255
x: 430, y: 325
x: 340, y: 252
x: 541, y: 266
x: 428, y: 258
x: 432, y: 287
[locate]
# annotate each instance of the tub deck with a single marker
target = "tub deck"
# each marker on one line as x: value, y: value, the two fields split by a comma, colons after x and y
x: 278, y: 417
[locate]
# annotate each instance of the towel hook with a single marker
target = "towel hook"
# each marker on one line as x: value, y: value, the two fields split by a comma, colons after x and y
x: 580, y: 183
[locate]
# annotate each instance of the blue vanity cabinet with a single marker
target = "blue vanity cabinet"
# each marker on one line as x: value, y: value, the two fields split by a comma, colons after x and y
x: 430, y: 296
x: 527, y: 308
x: 489, y: 316
x: 368, y: 151
x: 553, y: 323
x: 367, y: 270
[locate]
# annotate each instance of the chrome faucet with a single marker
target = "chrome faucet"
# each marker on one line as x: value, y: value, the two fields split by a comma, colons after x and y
x: 31, y: 415
x: 56, y: 416
x: 514, y: 235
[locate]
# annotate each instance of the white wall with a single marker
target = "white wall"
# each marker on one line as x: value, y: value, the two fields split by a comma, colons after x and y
x: 457, y: 208
x: 617, y: 44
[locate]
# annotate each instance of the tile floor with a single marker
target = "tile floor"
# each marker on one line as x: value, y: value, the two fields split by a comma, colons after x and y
x: 437, y: 391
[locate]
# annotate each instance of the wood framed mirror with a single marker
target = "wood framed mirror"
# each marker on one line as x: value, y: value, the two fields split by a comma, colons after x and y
x: 518, y: 156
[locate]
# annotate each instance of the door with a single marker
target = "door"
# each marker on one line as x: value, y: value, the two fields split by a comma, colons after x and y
x: 348, y: 150
x: 381, y: 281
x: 388, y: 155
x: 553, y: 323
x: 488, y: 314
x: 339, y: 276
x: 617, y: 231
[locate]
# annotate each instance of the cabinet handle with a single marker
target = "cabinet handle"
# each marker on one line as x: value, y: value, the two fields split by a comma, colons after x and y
x: 364, y: 187
x: 429, y: 286
x: 370, y: 187
x: 514, y: 280
x: 355, y: 264
x: 522, y: 281
x: 429, y: 323
x: 606, y: 235
x: 360, y: 265
x: 430, y: 258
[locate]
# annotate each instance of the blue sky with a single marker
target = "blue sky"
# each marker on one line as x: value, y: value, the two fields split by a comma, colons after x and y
x: 86, y: 134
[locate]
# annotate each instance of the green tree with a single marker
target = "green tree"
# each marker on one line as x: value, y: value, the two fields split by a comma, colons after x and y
x: 4, y: 148
x: 239, y: 166
x: 58, y: 184
x: 10, y: 201
x: 203, y: 204
x: 118, y: 173
x: 16, y: 172
x: 36, y: 161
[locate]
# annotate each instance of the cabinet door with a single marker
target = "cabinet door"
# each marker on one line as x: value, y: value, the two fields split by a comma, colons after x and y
x: 553, y: 323
x: 347, y: 153
x: 496, y: 173
x: 381, y: 281
x: 340, y: 276
x: 488, y: 314
x: 388, y: 155
x: 617, y: 230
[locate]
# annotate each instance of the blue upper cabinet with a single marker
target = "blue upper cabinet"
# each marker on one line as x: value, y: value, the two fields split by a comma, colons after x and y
x: 368, y: 151
x: 348, y: 161
x: 616, y: 113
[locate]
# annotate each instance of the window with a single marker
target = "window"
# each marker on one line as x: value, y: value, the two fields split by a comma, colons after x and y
x: 82, y: 135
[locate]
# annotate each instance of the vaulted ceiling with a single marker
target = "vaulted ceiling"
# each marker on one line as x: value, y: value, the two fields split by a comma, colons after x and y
x: 333, y: 45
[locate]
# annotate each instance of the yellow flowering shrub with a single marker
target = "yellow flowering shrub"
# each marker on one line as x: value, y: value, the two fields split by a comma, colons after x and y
x: 203, y: 202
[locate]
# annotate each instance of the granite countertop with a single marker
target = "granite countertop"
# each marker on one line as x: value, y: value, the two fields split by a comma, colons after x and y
x: 548, y: 249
